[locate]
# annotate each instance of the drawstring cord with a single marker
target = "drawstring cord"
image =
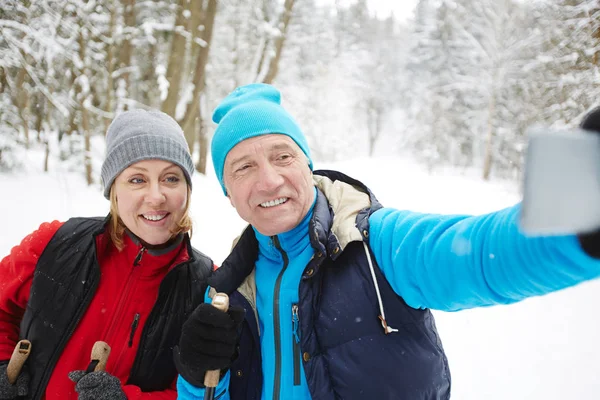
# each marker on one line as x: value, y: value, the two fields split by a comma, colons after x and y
x: 386, y: 328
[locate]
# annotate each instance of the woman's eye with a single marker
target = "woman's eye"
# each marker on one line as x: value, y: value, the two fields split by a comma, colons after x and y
x: 136, y: 180
x: 284, y: 157
x: 173, y: 179
x: 242, y: 168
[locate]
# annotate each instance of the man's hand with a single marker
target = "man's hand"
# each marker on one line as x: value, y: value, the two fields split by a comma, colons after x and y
x: 97, y: 386
x: 208, y: 342
x: 20, y: 388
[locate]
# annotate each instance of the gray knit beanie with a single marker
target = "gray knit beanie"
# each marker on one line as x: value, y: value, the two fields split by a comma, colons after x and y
x: 138, y: 135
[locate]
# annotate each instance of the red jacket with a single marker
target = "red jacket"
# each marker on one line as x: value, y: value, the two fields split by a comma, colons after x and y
x: 126, y: 293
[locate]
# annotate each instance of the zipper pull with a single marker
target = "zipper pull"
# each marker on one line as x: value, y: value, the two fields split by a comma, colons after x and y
x: 138, y: 258
x: 295, y: 322
x: 134, y: 325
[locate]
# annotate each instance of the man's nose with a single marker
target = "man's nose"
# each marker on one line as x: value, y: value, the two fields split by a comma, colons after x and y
x: 269, y: 178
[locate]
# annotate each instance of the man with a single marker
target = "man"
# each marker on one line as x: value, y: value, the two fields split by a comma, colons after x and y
x: 330, y: 291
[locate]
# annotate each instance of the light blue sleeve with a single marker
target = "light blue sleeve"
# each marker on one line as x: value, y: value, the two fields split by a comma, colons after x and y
x: 452, y: 263
x: 187, y: 391
x: 207, y: 298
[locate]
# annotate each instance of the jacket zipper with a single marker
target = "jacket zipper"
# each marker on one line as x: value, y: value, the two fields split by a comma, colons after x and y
x: 124, y: 296
x: 134, y: 325
x: 296, y: 343
x: 138, y: 258
x: 276, y: 320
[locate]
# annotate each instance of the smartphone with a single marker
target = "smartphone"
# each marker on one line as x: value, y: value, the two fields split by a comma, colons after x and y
x: 561, y: 186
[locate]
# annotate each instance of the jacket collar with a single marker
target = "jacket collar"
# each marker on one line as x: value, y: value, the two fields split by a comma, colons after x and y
x: 103, y: 242
x: 340, y: 216
x: 293, y: 242
x: 159, y: 250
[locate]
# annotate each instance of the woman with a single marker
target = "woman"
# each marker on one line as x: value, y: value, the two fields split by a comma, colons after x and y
x: 130, y: 279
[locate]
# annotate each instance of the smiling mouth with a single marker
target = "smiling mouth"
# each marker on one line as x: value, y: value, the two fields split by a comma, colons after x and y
x: 274, y: 203
x: 154, y: 218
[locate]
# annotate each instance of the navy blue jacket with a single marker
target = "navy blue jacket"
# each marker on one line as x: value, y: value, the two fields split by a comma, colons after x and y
x: 344, y: 350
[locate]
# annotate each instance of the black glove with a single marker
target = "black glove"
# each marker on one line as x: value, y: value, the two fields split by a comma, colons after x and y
x: 590, y: 242
x: 209, y: 340
x: 20, y: 388
x: 97, y: 386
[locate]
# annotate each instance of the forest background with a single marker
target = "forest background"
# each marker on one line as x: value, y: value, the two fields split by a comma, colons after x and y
x: 458, y: 83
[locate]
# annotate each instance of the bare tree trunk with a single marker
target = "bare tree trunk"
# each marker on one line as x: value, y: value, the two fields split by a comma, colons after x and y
x: 150, y: 95
x: 199, y: 74
x: 21, y: 100
x: 264, y: 43
x: 39, y: 110
x: 174, y: 67
x: 46, y: 153
x: 73, y: 115
x: 339, y: 37
x: 189, y: 130
x: 84, y: 98
x: 195, y: 26
x: 202, y: 138
x: 3, y: 81
x: 235, y: 60
x: 72, y: 122
x: 21, y: 97
x: 110, y: 65
x: 203, y: 156
x: 374, y: 117
x: 377, y: 130
x: 595, y: 34
x: 46, y: 141
x: 126, y: 47
x: 279, y: 41
x: 487, y: 161
x: 87, y: 159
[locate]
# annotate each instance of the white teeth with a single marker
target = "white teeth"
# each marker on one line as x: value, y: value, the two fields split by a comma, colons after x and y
x: 273, y: 203
x: 154, y: 217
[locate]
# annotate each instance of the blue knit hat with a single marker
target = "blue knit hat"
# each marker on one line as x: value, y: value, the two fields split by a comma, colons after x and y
x: 249, y: 111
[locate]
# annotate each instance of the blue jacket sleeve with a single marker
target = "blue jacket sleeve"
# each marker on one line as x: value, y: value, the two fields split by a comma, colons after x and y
x: 451, y: 263
x: 187, y: 391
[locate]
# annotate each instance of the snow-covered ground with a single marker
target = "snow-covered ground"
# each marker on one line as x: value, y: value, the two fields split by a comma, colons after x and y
x: 542, y: 348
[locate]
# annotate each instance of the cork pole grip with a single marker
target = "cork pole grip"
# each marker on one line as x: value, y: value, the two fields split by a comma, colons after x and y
x: 100, y: 352
x: 19, y: 355
x: 221, y: 302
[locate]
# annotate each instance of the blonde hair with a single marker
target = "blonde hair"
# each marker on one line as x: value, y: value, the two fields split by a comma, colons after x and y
x: 117, y: 227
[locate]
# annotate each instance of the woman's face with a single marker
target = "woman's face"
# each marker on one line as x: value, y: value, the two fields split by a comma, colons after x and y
x: 151, y: 198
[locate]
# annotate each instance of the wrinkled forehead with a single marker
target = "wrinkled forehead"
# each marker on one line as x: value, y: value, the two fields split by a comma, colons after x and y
x: 260, y: 145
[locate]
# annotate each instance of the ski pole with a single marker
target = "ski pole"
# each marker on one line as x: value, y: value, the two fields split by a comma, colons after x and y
x: 211, y: 379
x: 18, y: 358
x: 99, y: 357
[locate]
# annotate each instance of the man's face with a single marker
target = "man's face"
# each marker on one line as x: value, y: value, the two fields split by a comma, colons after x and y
x: 269, y: 183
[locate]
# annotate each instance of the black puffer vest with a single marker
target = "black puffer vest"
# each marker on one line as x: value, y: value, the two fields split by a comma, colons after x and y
x: 64, y: 283
x: 344, y: 350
